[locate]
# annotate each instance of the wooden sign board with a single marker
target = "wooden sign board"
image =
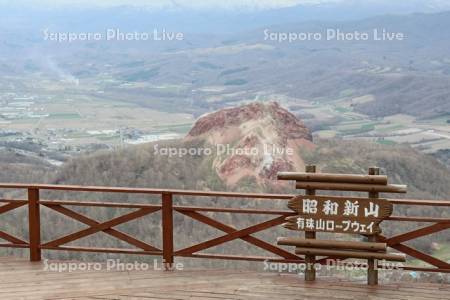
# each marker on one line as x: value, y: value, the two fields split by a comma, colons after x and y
x: 315, y: 224
x: 338, y: 214
x: 348, y: 207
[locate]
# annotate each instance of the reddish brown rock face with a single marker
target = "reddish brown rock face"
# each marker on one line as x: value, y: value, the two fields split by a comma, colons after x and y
x: 261, y: 140
x: 278, y: 166
x: 287, y: 124
x: 233, y: 163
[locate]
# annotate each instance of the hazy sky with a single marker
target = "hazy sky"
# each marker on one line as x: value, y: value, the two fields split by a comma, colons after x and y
x: 225, y: 4
x: 260, y: 4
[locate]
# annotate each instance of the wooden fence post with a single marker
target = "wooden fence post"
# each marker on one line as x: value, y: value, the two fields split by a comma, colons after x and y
x: 167, y: 227
x: 34, y: 222
x: 372, y: 264
x: 310, y: 260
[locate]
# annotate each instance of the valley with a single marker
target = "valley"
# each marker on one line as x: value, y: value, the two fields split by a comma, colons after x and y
x: 77, y: 119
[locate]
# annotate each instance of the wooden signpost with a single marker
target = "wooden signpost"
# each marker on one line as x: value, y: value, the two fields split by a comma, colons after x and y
x: 338, y: 214
x: 341, y: 214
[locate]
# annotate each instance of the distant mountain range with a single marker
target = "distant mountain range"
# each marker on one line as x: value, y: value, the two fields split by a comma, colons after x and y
x: 410, y: 76
x: 201, y: 16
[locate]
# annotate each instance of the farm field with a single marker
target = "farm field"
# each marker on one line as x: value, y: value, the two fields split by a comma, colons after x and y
x: 427, y: 135
x: 75, y: 118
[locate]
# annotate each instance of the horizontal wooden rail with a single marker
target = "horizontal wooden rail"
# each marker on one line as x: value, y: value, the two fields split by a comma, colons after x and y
x: 390, y: 188
x: 96, y: 204
x: 231, y: 210
x: 332, y: 244
x: 420, y: 202
x: 334, y: 178
x: 201, y: 214
x: 102, y: 250
x: 351, y: 254
x: 175, y: 192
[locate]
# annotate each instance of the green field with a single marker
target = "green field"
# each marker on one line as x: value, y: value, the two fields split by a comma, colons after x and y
x: 64, y: 116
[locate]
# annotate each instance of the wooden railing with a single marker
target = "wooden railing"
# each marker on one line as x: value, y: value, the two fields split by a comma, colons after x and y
x: 167, y: 207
